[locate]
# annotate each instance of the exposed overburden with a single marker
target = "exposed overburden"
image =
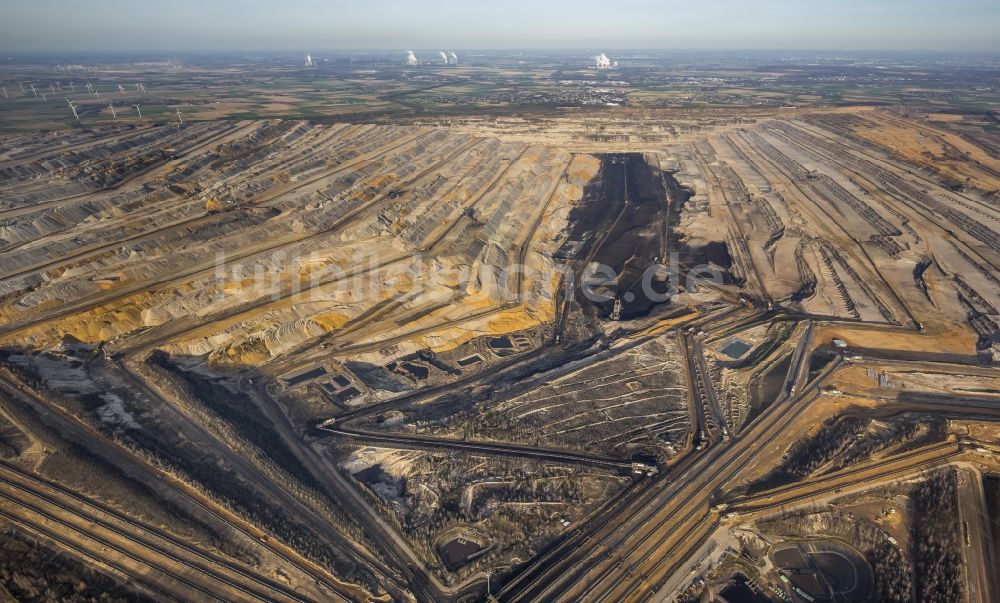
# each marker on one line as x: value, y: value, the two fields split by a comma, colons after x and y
x: 584, y: 357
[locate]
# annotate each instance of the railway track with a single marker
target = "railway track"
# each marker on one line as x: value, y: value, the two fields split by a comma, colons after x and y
x: 853, y: 164
x: 76, y: 146
x: 141, y: 550
x: 629, y: 548
x: 569, y: 566
x: 667, y: 542
x: 196, y: 221
x: 339, y: 338
x: 982, y: 207
x: 430, y: 393
x: 711, y: 470
x: 530, y: 235
x: 705, y: 169
x: 207, y: 267
x: 422, y: 583
x: 871, y: 261
x: 910, y: 462
x: 533, y: 584
x: 16, y: 212
x: 87, y: 553
x: 57, y: 418
x: 778, y: 168
x: 301, y: 510
x: 67, y: 534
x: 652, y: 580
x: 36, y: 486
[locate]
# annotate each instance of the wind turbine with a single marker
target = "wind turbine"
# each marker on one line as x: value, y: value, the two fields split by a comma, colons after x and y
x: 72, y: 107
x: 138, y: 111
x: 22, y: 87
x: 112, y: 107
x: 90, y: 88
x: 52, y: 89
x: 179, y: 118
x: 72, y: 87
x: 121, y: 89
x: 44, y: 100
x: 33, y: 91
x: 5, y: 92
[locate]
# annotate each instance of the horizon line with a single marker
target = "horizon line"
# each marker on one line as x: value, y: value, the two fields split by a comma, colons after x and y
x: 403, y: 49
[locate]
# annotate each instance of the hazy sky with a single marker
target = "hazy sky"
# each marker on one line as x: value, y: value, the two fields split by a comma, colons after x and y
x: 456, y: 25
